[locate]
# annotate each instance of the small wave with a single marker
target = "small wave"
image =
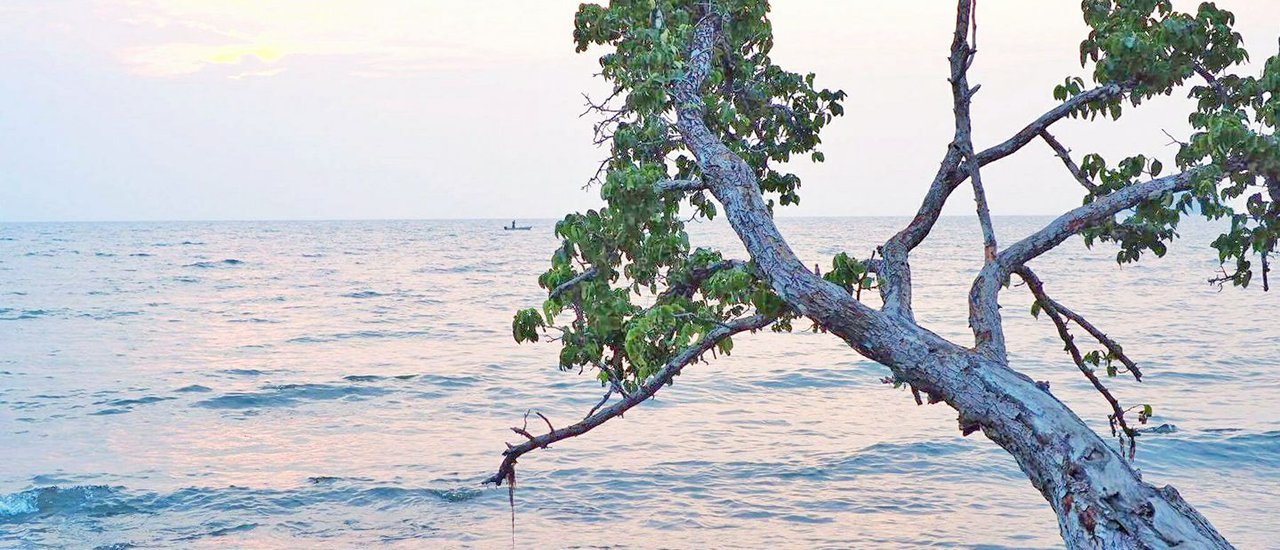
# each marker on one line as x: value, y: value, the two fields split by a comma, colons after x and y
x: 364, y: 294
x: 140, y: 255
x: 253, y: 320
x: 98, y: 500
x: 8, y: 314
x: 288, y: 395
x: 213, y: 264
x: 194, y: 388
x: 1161, y: 429
x: 104, y: 254
x: 359, y: 335
x: 378, y: 378
x: 446, y: 381
x: 139, y: 401
x: 56, y: 505
x: 222, y: 532
x: 1220, y: 451
x: 184, y: 279
x: 244, y: 372
x: 820, y: 378
x: 109, y: 315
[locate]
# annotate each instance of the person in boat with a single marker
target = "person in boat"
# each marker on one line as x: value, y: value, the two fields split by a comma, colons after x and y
x: 513, y: 224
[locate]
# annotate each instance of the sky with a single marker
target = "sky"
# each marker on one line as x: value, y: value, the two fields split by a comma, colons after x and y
x: 313, y: 109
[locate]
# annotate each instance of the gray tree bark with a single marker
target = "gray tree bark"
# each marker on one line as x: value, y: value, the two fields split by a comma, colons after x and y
x: 1101, y: 502
x: 1099, y: 499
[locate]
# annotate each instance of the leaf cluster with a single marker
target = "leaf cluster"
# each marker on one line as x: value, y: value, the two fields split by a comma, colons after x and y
x: 652, y: 294
x: 1147, y: 48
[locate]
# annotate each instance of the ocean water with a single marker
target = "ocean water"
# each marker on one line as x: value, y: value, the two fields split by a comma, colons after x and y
x: 349, y: 384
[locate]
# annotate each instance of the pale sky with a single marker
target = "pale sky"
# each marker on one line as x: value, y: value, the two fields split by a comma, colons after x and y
x: 229, y: 109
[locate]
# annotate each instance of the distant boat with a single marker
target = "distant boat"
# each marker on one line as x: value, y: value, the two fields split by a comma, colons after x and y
x: 514, y: 227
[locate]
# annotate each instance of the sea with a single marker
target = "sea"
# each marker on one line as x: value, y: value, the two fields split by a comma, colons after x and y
x: 349, y: 384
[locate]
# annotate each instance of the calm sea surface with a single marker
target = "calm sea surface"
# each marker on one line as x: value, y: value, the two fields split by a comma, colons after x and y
x: 349, y: 384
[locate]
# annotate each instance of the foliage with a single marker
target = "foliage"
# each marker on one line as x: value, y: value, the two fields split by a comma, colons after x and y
x: 643, y: 305
x: 652, y: 293
x: 1148, y: 49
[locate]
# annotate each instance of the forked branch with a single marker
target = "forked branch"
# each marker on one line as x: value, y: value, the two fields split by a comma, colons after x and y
x: 1116, y: 417
x: 984, y: 310
x: 646, y: 390
x: 897, y: 271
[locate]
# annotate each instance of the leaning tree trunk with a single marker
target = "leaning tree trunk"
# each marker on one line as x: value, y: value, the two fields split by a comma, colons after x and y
x: 1100, y: 501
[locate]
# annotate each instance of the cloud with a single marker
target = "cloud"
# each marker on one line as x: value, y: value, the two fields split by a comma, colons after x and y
x: 178, y: 59
x: 181, y: 38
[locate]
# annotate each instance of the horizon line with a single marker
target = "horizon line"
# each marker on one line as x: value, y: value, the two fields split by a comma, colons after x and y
x: 320, y: 220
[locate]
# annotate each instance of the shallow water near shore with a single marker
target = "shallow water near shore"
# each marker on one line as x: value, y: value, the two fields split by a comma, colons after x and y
x: 349, y: 384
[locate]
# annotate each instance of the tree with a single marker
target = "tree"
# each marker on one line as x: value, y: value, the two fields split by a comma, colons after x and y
x: 701, y: 119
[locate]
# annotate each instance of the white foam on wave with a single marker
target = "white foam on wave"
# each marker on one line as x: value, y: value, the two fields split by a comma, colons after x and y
x: 18, y: 504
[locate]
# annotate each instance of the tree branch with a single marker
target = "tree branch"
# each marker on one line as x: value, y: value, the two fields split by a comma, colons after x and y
x: 1212, y: 81
x: 962, y: 55
x: 568, y: 285
x: 695, y: 279
x: 667, y: 186
x: 1071, y: 165
x: 1102, y: 338
x: 984, y: 310
x: 646, y: 390
x: 1079, y: 218
x: 1025, y: 135
x: 1117, y: 412
x: 896, y: 290
x: 734, y: 184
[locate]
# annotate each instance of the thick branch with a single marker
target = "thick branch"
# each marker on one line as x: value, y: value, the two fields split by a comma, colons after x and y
x: 984, y: 310
x: 1031, y: 131
x: 1077, y: 219
x: 645, y: 391
x: 734, y: 184
x: 667, y: 186
x: 1071, y: 165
